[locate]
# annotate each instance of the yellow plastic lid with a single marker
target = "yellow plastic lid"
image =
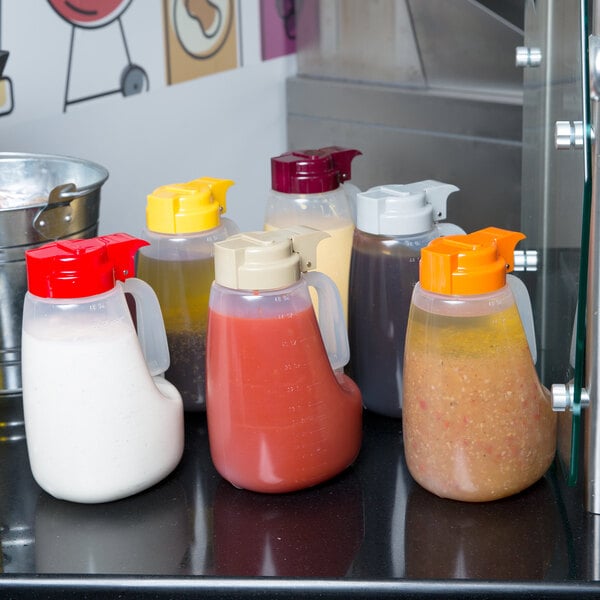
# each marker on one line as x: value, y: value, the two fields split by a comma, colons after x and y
x: 474, y: 263
x: 187, y: 207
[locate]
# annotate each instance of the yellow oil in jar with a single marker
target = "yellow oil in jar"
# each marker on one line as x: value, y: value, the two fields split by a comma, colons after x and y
x: 183, y: 289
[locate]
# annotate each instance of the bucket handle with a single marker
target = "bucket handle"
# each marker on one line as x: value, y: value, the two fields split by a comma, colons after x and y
x: 53, y: 218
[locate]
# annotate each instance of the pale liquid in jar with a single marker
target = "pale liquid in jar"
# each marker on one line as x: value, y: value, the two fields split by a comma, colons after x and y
x: 477, y: 423
x: 333, y: 259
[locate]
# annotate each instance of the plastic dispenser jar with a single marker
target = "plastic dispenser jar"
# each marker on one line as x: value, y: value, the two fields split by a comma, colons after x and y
x: 183, y: 221
x: 101, y: 421
x: 308, y: 189
x: 393, y: 223
x: 477, y: 423
x: 281, y: 414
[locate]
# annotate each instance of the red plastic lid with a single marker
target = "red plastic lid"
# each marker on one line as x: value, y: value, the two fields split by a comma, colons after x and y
x: 311, y: 171
x: 82, y: 267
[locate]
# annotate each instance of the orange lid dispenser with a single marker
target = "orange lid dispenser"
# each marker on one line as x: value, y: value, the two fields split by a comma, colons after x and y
x: 474, y: 263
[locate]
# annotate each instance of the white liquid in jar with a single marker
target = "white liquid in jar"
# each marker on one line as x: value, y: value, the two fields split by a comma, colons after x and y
x: 99, y: 427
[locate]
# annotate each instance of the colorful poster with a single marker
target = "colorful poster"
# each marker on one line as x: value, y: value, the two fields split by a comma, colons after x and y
x: 99, y: 16
x: 200, y: 38
x: 6, y: 89
x: 6, y: 93
x: 278, y: 27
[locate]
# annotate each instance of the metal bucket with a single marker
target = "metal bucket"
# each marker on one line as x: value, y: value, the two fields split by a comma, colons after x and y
x: 42, y: 198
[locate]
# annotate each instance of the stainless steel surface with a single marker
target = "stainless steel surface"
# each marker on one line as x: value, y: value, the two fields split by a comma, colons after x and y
x: 424, y: 89
x: 358, y: 41
x: 552, y: 181
x: 466, y: 45
x: 562, y: 397
x: 528, y: 57
x: 456, y: 44
x: 526, y: 260
x: 44, y: 197
x: 568, y: 134
x: 593, y: 541
x: 410, y: 135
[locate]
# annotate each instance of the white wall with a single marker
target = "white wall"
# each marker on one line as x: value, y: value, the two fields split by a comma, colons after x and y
x: 225, y: 125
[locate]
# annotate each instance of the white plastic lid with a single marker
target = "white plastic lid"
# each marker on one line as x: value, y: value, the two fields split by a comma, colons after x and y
x: 398, y: 209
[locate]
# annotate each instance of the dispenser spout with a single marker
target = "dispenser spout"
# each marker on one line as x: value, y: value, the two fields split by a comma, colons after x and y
x: 121, y: 249
x: 342, y: 160
x: 190, y: 207
x: 217, y: 187
x: 304, y: 242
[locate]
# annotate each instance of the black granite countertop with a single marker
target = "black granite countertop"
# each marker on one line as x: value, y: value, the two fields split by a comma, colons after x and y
x: 371, y: 531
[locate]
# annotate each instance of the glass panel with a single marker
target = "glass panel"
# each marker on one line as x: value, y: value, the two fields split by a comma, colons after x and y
x: 454, y: 118
x: 585, y: 244
x: 554, y: 186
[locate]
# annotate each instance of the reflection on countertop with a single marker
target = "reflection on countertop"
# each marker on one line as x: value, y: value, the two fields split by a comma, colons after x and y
x: 517, y: 538
x: 312, y: 533
x: 145, y: 534
x: 370, y: 523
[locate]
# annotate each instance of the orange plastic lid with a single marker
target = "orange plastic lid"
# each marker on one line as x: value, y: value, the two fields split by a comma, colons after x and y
x: 475, y: 263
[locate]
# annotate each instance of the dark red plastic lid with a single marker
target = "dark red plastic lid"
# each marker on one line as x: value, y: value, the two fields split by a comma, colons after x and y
x: 311, y: 171
x: 82, y: 267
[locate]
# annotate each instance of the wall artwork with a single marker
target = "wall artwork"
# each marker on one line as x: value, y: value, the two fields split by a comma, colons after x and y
x: 6, y: 87
x: 94, y: 51
x: 97, y: 14
x: 278, y: 27
x: 200, y: 38
x: 6, y: 90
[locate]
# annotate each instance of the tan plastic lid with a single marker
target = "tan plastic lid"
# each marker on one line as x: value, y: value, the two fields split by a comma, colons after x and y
x: 266, y: 260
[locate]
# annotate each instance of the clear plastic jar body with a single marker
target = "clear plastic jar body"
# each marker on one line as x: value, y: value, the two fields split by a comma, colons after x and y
x: 330, y: 212
x: 99, y: 426
x: 180, y: 269
x: 279, y: 418
x: 383, y: 272
x: 477, y: 423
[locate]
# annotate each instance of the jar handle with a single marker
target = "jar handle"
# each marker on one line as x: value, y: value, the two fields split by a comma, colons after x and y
x: 331, y: 319
x: 150, y: 325
x: 521, y: 296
